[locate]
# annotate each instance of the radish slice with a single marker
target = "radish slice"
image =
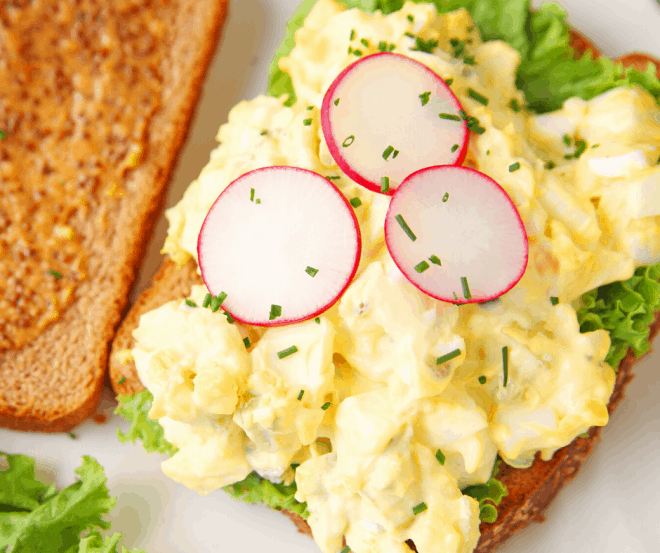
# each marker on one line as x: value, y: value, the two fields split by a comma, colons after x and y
x: 381, y: 118
x: 282, y: 242
x: 456, y: 235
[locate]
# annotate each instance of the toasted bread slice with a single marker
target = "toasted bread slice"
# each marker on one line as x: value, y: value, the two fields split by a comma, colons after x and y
x: 94, y: 107
x: 530, y: 490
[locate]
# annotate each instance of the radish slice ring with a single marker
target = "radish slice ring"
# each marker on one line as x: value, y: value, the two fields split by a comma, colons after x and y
x: 387, y: 115
x: 282, y: 243
x: 456, y: 235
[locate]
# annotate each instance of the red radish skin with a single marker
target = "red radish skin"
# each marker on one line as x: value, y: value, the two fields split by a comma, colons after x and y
x: 286, y: 186
x: 495, y: 255
x: 395, y: 135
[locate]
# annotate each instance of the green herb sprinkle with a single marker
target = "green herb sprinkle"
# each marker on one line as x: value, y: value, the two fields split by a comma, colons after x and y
x: 448, y: 357
x: 349, y: 140
x: 449, y: 116
x: 454, y: 148
x: 121, y: 380
x: 190, y: 303
x: 440, y: 456
x: 505, y: 364
x: 275, y: 311
x: 286, y: 352
x: 478, y: 97
x: 300, y: 395
x: 421, y: 267
x: 388, y: 151
x: 307, y: 122
x: 385, y: 184
x: 246, y: 341
x: 482, y: 379
x: 425, y: 97
x: 435, y: 260
x: 419, y: 508
x: 514, y: 167
x: 554, y: 300
x: 356, y: 202
x: 466, y: 288
x: 405, y: 227
x: 311, y: 271
x: 325, y: 405
x: 54, y: 273
x: 207, y: 300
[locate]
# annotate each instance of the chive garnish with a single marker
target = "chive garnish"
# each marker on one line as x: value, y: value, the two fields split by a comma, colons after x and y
x: 448, y: 357
x: 355, y: 202
x: 352, y: 34
x: 449, y: 82
x: 513, y: 104
x: 410, y: 18
x: 121, y: 380
x: 294, y: 466
x: 466, y: 288
x: 207, y: 300
x: 258, y: 201
x: 425, y: 96
x: 307, y: 122
x: 346, y: 550
x: 487, y: 152
x: 332, y: 177
x: 405, y: 227
x: 567, y: 140
x: 550, y: 165
x: 3, y: 135
x: 454, y: 148
x: 387, y: 152
x: 554, y: 300
x: 300, y: 395
x: 424, y: 45
x: 251, y: 194
x: 230, y: 319
x: 286, y: 352
x: 449, y: 116
x: 568, y: 156
x: 463, y: 115
x: 337, y: 102
x: 445, y: 197
x: 478, y: 97
x: 391, y: 47
x: 318, y: 320
x: 275, y: 311
x: 478, y: 130
x: 580, y: 148
x: 365, y: 42
x: 357, y: 52
x: 409, y: 34
x: 72, y: 435
x: 435, y: 260
x: 325, y: 405
x: 514, y: 167
x: 246, y: 341
x: 385, y: 184
x: 349, y: 140
x: 311, y: 271
x: 595, y: 145
x: 421, y: 267
x: 54, y: 273
x: 396, y: 153
x: 382, y: 46
x: 440, y: 456
x: 482, y: 379
x: 309, y: 108
x: 505, y: 364
x: 468, y: 60
x: 264, y: 133
x: 350, y: 49
x: 190, y: 303
x: 455, y: 296
x: 419, y: 508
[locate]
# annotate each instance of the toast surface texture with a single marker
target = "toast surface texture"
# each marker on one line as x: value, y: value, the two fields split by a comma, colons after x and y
x: 95, y: 105
x: 530, y: 490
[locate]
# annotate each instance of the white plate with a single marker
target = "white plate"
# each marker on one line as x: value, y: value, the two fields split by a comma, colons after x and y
x: 613, y: 506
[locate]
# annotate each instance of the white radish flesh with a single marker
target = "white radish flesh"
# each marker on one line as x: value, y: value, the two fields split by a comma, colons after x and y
x: 464, y: 220
x: 381, y: 118
x: 279, y: 236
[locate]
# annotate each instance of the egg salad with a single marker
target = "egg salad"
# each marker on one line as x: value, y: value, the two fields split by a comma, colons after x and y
x: 391, y: 401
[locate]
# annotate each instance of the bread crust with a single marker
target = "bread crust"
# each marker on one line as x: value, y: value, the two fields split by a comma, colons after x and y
x: 54, y: 381
x: 530, y: 490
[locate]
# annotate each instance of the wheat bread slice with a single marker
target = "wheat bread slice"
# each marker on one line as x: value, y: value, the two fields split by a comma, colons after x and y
x: 530, y: 491
x: 95, y: 105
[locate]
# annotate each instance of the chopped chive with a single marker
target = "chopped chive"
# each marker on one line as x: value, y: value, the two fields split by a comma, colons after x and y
x: 410, y: 18
x: 550, y: 165
x: 54, y: 273
x: 72, y: 435
x: 346, y: 550
x: 478, y: 97
x: 595, y: 145
x: 251, y: 194
x: 325, y: 405
x: 385, y: 184
x: 554, y: 300
x: 409, y: 35
x: 264, y: 133
x: 513, y: 104
x: 396, y: 153
x: 258, y: 201
x: 419, y: 508
x: 207, y: 300
x: 332, y: 178
x: 424, y: 45
x: 121, y: 380
x: 425, y: 96
x: 482, y: 379
x: 580, y: 148
x: 391, y: 47
x: 468, y: 60
x: 454, y: 148
x: 357, y: 52
x: 440, y: 456
x: 275, y: 311
x: 307, y: 122
x: 448, y: 357
x: 365, y: 42
x: 505, y: 364
x: 466, y: 288
x: 190, y: 303
x: 352, y: 34
x: 311, y: 271
x: 388, y: 152
x: 478, y: 130
x: 449, y: 116
x: 318, y: 320
x: 350, y: 49
x: 216, y: 301
x: 435, y: 260
x: 246, y: 341
x: 294, y: 466
x: 309, y: 108
x: 567, y: 140
x: 286, y: 352
x: 514, y: 167
x: 349, y: 140
x: 445, y: 197
x: 584, y: 434
x: 230, y: 319
x: 455, y: 296
x: 382, y: 46
x: 405, y: 227
x: 464, y: 116
x: 421, y: 267
x: 487, y: 152
x: 337, y: 102
x: 449, y: 82
x: 3, y: 135
x: 356, y: 202
x: 568, y: 156
x: 300, y: 395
